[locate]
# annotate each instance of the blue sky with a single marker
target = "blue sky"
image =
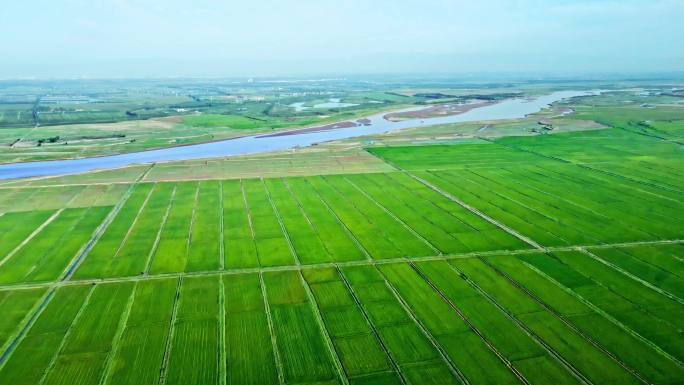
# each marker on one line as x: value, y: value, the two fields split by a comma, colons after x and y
x: 208, y: 38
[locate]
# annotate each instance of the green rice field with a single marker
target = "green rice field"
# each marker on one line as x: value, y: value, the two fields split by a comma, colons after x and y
x: 553, y: 259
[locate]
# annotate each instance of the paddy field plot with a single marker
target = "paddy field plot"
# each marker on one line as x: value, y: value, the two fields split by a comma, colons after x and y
x: 14, y: 199
x: 17, y: 306
x: 15, y: 228
x: 47, y: 254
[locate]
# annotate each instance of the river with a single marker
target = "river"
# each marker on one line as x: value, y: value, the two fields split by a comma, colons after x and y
x: 507, y: 109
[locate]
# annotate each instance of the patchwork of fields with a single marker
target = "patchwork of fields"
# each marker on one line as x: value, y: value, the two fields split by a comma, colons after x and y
x: 523, y: 260
x: 563, y: 317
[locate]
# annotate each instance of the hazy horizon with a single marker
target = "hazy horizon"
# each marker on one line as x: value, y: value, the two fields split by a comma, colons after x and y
x: 158, y: 39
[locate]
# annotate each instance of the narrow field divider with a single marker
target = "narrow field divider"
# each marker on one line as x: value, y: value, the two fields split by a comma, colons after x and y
x: 222, y: 247
x: 193, y: 218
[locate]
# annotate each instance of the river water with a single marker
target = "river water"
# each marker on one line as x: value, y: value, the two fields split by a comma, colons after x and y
x: 507, y: 109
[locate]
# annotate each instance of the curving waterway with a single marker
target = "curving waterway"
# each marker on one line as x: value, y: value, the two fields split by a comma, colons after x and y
x: 375, y: 124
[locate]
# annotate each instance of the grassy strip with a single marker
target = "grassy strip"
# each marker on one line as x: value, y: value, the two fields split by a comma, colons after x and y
x: 31, y: 285
x: 168, y: 345
x: 110, y: 359
x: 444, y: 187
x: 194, y: 357
x: 171, y: 253
x: 249, y: 356
x: 637, y: 220
x: 223, y: 367
x: 611, y: 290
x: 380, y: 234
x: 390, y: 378
x: 279, y: 219
x: 222, y: 249
x: 24, y: 241
x: 205, y: 241
x: 472, y: 232
x: 239, y: 247
x: 326, y: 336
x: 78, y: 258
x: 271, y: 329
x: 157, y: 238
x: 624, y: 314
x: 403, y: 222
x: 521, y: 348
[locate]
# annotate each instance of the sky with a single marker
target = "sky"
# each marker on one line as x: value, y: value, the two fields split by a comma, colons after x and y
x: 212, y: 38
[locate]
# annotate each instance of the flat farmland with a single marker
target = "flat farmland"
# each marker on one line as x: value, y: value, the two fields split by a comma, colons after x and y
x: 17, y: 306
x: 178, y: 227
x: 551, y: 202
x: 504, y: 262
x: 529, y: 318
x: 551, y: 206
x: 46, y: 256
